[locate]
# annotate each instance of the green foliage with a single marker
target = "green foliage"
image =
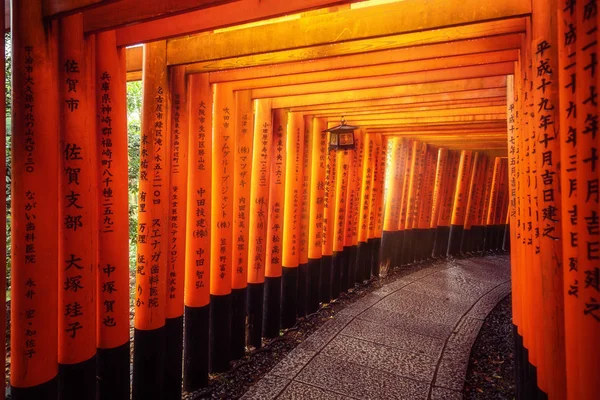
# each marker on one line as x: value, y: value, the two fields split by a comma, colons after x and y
x: 134, y: 105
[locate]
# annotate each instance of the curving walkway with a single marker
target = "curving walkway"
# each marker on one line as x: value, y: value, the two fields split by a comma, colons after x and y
x: 410, y: 339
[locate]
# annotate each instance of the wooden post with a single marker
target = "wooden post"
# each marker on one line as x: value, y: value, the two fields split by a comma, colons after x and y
x: 479, y: 165
x: 443, y: 229
x: 303, y: 273
x: 291, y: 219
x: 34, y: 204
x: 402, y: 220
x: 393, y: 177
x: 378, y: 177
x: 342, y: 173
x: 353, y: 276
x: 460, y: 200
x: 328, y: 226
x: 77, y: 215
x: 151, y: 263
x: 588, y: 248
x: 364, y: 253
x: 176, y: 228
x: 441, y: 181
x: 317, y: 151
x: 258, y: 219
x: 272, y: 296
x: 221, y: 242
x: 242, y: 160
x: 198, y: 257
x: 426, y: 193
x: 113, y: 349
x: 408, y: 242
x: 490, y: 229
x: 567, y: 73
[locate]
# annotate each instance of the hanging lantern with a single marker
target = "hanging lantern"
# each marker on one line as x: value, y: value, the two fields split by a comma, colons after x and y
x: 341, y: 137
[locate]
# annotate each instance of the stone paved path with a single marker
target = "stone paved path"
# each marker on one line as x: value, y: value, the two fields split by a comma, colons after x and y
x: 410, y: 339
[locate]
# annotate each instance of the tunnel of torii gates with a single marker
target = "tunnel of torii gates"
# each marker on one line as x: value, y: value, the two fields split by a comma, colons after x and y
x: 476, y: 127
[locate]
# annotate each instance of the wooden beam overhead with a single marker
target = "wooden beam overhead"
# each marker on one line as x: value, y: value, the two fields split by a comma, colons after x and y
x: 422, y: 101
x: 378, y: 58
x: 419, y: 113
x: 412, y: 78
x: 467, y: 126
x: 222, y: 16
x: 426, y: 120
x: 440, y: 88
x: 408, y: 16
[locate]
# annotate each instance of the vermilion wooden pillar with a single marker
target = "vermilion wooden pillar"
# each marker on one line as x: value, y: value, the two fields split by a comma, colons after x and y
x: 393, y: 177
x: 441, y: 180
x: 588, y: 231
x: 328, y: 226
x: 272, y: 294
x: 354, y: 264
x: 244, y: 134
x: 151, y: 262
x: 317, y: 151
x: 342, y: 174
x: 426, y: 193
x: 258, y: 218
x: 444, y: 219
x: 460, y: 201
x: 34, y: 204
x: 221, y: 239
x: 567, y: 73
x: 490, y: 229
x: 197, y: 251
x: 78, y: 204
x: 377, y: 200
x: 303, y: 273
x: 364, y: 253
x: 402, y: 219
x: 113, y: 348
x: 176, y: 228
x: 472, y: 200
x: 408, y: 243
x: 291, y: 219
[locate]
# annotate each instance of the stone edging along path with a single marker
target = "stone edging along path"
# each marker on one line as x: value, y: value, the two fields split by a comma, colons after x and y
x: 410, y: 339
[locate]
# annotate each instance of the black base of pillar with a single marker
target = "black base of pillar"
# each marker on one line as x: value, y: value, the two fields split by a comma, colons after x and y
x: 361, y: 261
x: 148, y: 364
x: 454, y: 239
x: 375, y: 248
x: 238, y: 323
x: 387, y: 253
x: 314, y: 285
x: 173, y: 357
x: 254, y: 306
x: 431, y: 242
x: 302, y: 290
x: 336, y: 270
x: 477, y: 237
x: 271, y: 307
x: 506, y: 242
x: 408, y: 255
x: 219, y: 353
x: 352, y: 265
x: 345, y: 270
x: 289, y: 296
x: 466, y: 241
x: 112, y: 373
x: 77, y: 381
x: 326, y: 269
x: 441, y: 241
x: 195, y: 361
x: 46, y: 390
x: 519, y: 363
x: 490, y: 242
x: 397, y: 248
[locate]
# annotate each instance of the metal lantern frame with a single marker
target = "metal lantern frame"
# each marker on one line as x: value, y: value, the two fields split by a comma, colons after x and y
x: 341, y: 137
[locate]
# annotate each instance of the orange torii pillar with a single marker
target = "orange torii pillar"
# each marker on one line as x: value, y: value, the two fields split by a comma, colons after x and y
x: 197, y: 250
x: 473, y: 203
x: 78, y: 242
x: 393, y: 178
x: 443, y: 230
x: 377, y: 200
x: 243, y: 132
x: 353, y: 264
x: 348, y: 275
x: 588, y: 226
x: 151, y: 262
x: 485, y: 203
x: 364, y: 251
x: 328, y: 225
x: 567, y: 70
x: 342, y: 174
x: 402, y: 218
x: 408, y: 242
x: 34, y: 204
x: 423, y: 244
x: 272, y: 293
x: 317, y: 152
x: 490, y: 227
x: 112, y: 340
x: 442, y: 171
x: 502, y: 206
x: 176, y: 228
x: 221, y: 232
x: 258, y: 218
x: 460, y: 201
x: 291, y: 219
x: 303, y: 273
